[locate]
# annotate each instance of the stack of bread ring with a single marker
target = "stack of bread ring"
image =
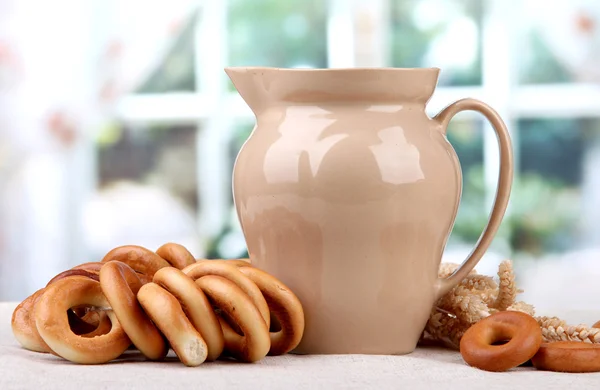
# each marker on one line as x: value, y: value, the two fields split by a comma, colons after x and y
x: 155, y: 301
x: 508, y: 339
x: 495, y: 332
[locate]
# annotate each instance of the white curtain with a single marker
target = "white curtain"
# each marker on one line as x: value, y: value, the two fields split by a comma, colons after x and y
x: 63, y: 63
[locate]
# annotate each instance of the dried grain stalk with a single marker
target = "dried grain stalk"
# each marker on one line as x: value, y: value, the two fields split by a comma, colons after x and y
x: 478, y: 296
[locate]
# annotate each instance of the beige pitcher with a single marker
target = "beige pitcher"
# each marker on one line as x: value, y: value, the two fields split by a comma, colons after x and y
x: 347, y: 191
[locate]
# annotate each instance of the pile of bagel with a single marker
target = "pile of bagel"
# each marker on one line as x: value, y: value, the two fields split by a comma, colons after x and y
x: 508, y: 339
x: 156, y: 301
x: 204, y: 310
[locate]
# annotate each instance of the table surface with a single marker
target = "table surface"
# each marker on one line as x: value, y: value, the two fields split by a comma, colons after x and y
x: 424, y: 368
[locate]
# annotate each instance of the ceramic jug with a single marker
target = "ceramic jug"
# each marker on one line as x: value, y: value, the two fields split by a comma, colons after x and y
x: 347, y: 191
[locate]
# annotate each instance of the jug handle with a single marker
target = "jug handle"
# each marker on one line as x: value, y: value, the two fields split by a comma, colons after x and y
x: 505, y: 179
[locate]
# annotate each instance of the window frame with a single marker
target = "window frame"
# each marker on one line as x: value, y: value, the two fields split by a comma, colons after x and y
x: 215, y: 109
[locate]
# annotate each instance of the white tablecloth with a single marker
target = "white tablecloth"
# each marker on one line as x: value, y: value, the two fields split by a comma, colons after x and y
x: 428, y: 368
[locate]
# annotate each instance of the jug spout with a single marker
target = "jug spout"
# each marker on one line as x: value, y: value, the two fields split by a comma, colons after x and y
x: 262, y: 87
x: 247, y: 81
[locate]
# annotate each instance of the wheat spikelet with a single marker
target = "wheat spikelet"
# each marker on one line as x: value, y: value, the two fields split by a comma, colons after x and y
x: 522, y: 307
x: 555, y: 329
x: 508, y: 291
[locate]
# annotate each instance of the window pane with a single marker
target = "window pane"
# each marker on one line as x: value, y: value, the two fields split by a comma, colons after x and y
x: 175, y: 71
x: 278, y: 33
x: 230, y: 243
x: 554, y: 221
x: 147, y: 189
x: 554, y: 201
x: 561, y: 44
x: 466, y: 137
x: 444, y: 34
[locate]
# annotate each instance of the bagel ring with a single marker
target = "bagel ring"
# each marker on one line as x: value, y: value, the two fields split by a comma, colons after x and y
x: 120, y: 285
x: 93, y: 266
x: 81, y: 320
x: 177, y: 255
x: 567, y: 356
x: 234, y: 262
x: 196, y: 306
x: 143, y: 277
x: 232, y: 273
x: 231, y: 299
x: 53, y: 325
x: 88, y: 270
x: 286, y: 308
x: 139, y: 258
x: 74, y: 272
x: 23, y: 324
x: 520, y: 330
x: 166, y: 312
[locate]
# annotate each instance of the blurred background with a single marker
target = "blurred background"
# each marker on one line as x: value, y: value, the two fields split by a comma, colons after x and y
x: 119, y: 126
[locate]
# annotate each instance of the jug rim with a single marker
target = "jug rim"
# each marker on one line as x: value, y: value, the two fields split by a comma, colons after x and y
x: 262, y: 86
x: 336, y: 69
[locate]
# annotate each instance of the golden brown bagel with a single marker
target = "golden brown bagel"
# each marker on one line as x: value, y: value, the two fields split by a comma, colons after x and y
x: 80, y: 311
x: 139, y: 258
x: 53, y: 324
x: 520, y: 330
x: 143, y: 277
x: 120, y: 285
x: 226, y: 296
x: 196, y: 307
x: 232, y: 273
x: 234, y: 262
x: 568, y: 356
x: 91, y: 266
x: 88, y: 323
x: 95, y: 267
x: 176, y: 255
x: 23, y: 324
x: 74, y: 272
x: 166, y: 312
x: 286, y: 308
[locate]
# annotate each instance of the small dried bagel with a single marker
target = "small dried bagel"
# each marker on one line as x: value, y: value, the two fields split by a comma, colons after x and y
x: 139, y: 258
x: 166, y: 312
x: 23, y: 324
x: 176, y: 255
x: 53, y: 324
x: 196, y: 307
x: 286, y: 308
x: 120, y: 285
x: 520, y: 331
x: 225, y: 295
x: 75, y: 272
x: 232, y: 273
x: 568, y: 356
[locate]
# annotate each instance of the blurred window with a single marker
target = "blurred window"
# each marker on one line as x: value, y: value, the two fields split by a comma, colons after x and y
x: 539, y: 70
x: 428, y: 33
x: 277, y: 33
